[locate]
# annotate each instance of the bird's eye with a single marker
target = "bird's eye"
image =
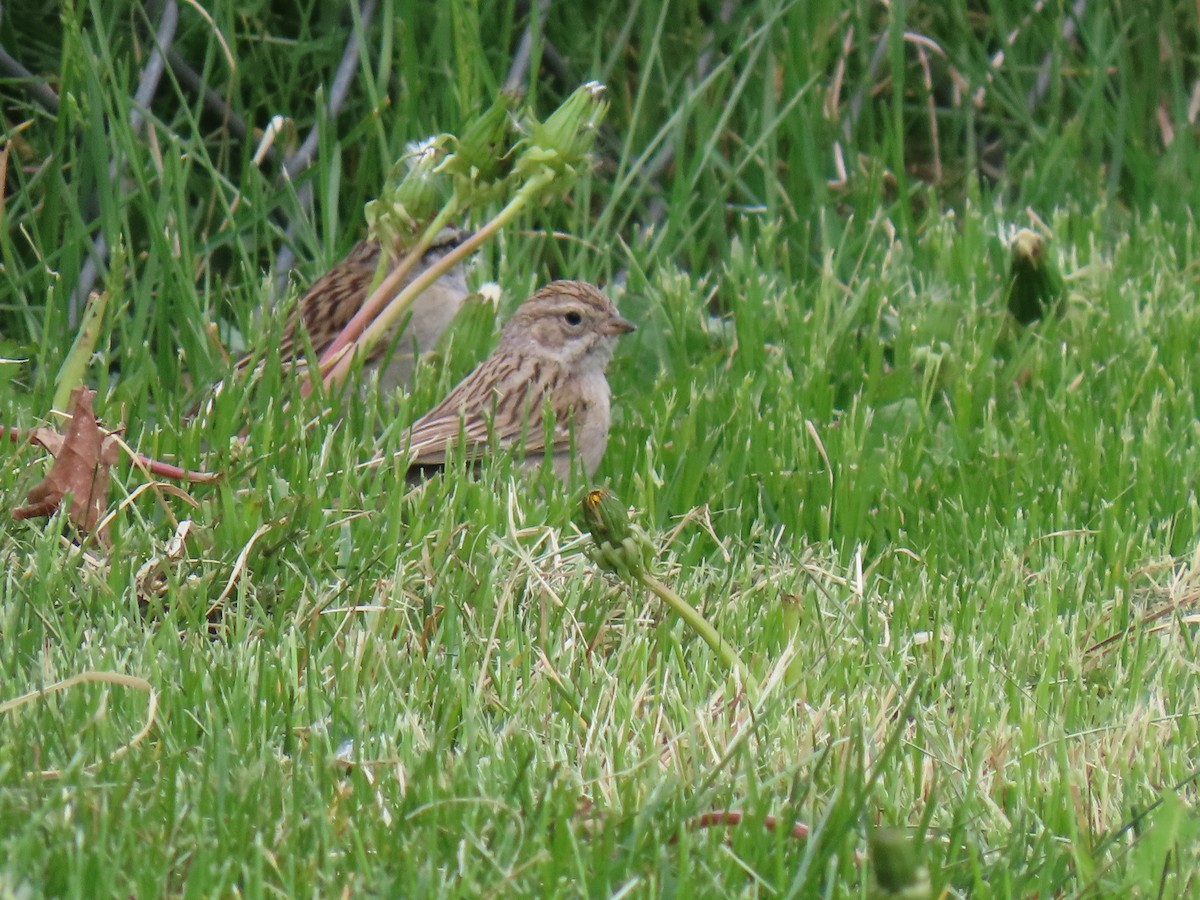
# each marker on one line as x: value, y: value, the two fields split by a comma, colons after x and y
x: 573, y: 318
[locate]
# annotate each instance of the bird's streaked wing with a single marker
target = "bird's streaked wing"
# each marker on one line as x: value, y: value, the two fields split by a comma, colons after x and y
x: 475, y: 414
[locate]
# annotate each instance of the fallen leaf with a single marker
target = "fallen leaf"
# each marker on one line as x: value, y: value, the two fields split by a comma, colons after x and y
x: 82, y: 458
x: 48, y: 438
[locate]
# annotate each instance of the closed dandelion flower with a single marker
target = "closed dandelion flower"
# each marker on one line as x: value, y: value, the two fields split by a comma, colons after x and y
x: 1035, y: 287
x: 561, y: 143
x: 482, y: 157
x: 413, y: 192
x: 621, y: 547
x: 625, y: 550
x: 898, y: 872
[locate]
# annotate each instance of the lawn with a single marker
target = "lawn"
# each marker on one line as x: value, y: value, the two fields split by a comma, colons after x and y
x: 958, y: 555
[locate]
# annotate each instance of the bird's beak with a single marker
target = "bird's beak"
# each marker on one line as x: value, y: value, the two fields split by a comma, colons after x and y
x: 617, y: 325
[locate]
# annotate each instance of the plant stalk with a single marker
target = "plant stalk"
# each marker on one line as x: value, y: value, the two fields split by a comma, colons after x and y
x: 387, y: 286
x: 722, y: 648
x: 335, y: 370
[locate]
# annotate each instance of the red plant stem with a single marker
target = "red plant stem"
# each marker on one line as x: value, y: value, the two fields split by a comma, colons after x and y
x: 384, y: 291
x: 335, y: 363
x: 715, y: 817
x: 153, y: 466
x: 175, y: 473
x: 731, y: 817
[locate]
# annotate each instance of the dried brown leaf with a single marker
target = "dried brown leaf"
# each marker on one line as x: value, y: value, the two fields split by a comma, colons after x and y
x: 82, y: 458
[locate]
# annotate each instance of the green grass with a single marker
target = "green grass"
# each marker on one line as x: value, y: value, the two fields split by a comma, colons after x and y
x: 915, y: 523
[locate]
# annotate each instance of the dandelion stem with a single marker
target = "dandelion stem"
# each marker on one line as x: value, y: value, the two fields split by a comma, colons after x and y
x: 694, y: 620
x: 339, y: 359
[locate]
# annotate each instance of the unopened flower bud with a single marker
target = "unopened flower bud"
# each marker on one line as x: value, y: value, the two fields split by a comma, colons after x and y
x: 412, y: 194
x: 562, y: 142
x: 621, y: 547
x: 898, y: 873
x: 1035, y: 286
x: 482, y: 157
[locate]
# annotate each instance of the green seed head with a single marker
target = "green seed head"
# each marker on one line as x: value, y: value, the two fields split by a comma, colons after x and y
x: 412, y: 194
x: 898, y: 872
x: 562, y: 142
x: 1035, y: 285
x: 482, y: 157
x: 621, y: 547
x: 606, y: 516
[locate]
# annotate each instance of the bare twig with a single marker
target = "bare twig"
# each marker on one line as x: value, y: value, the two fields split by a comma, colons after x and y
x: 147, y: 85
x: 1042, y: 86
x: 520, y: 63
x: 34, y: 86
x: 295, y: 164
x: 855, y: 107
x: 664, y: 157
x: 213, y: 101
x: 799, y: 831
x: 551, y: 59
x: 302, y: 158
x: 152, y: 74
x: 934, y: 140
x: 147, y: 464
x: 168, y: 470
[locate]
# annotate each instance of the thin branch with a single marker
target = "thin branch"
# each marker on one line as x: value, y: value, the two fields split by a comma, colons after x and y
x: 147, y: 85
x: 520, y: 63
x: 213, y: 101
x: 664, y: 157
x: 155, y: 65
x: 285, y: 259
x: 855, y: 107
x: 1042, y: 86
x: 302, y: 158
x: 34, y: 86
x: 295, y: 164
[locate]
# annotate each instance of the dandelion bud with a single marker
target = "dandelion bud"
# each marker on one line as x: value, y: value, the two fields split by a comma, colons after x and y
x: 621, y: 547
x: 1035, y: 286
x: 562, y: 142
x: 482, y: 157
x: 412, y: 194
x: 898, y: 872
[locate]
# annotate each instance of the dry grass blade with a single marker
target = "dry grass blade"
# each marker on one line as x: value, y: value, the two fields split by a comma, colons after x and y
x: 129, y: 681
x: 238, y: 568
